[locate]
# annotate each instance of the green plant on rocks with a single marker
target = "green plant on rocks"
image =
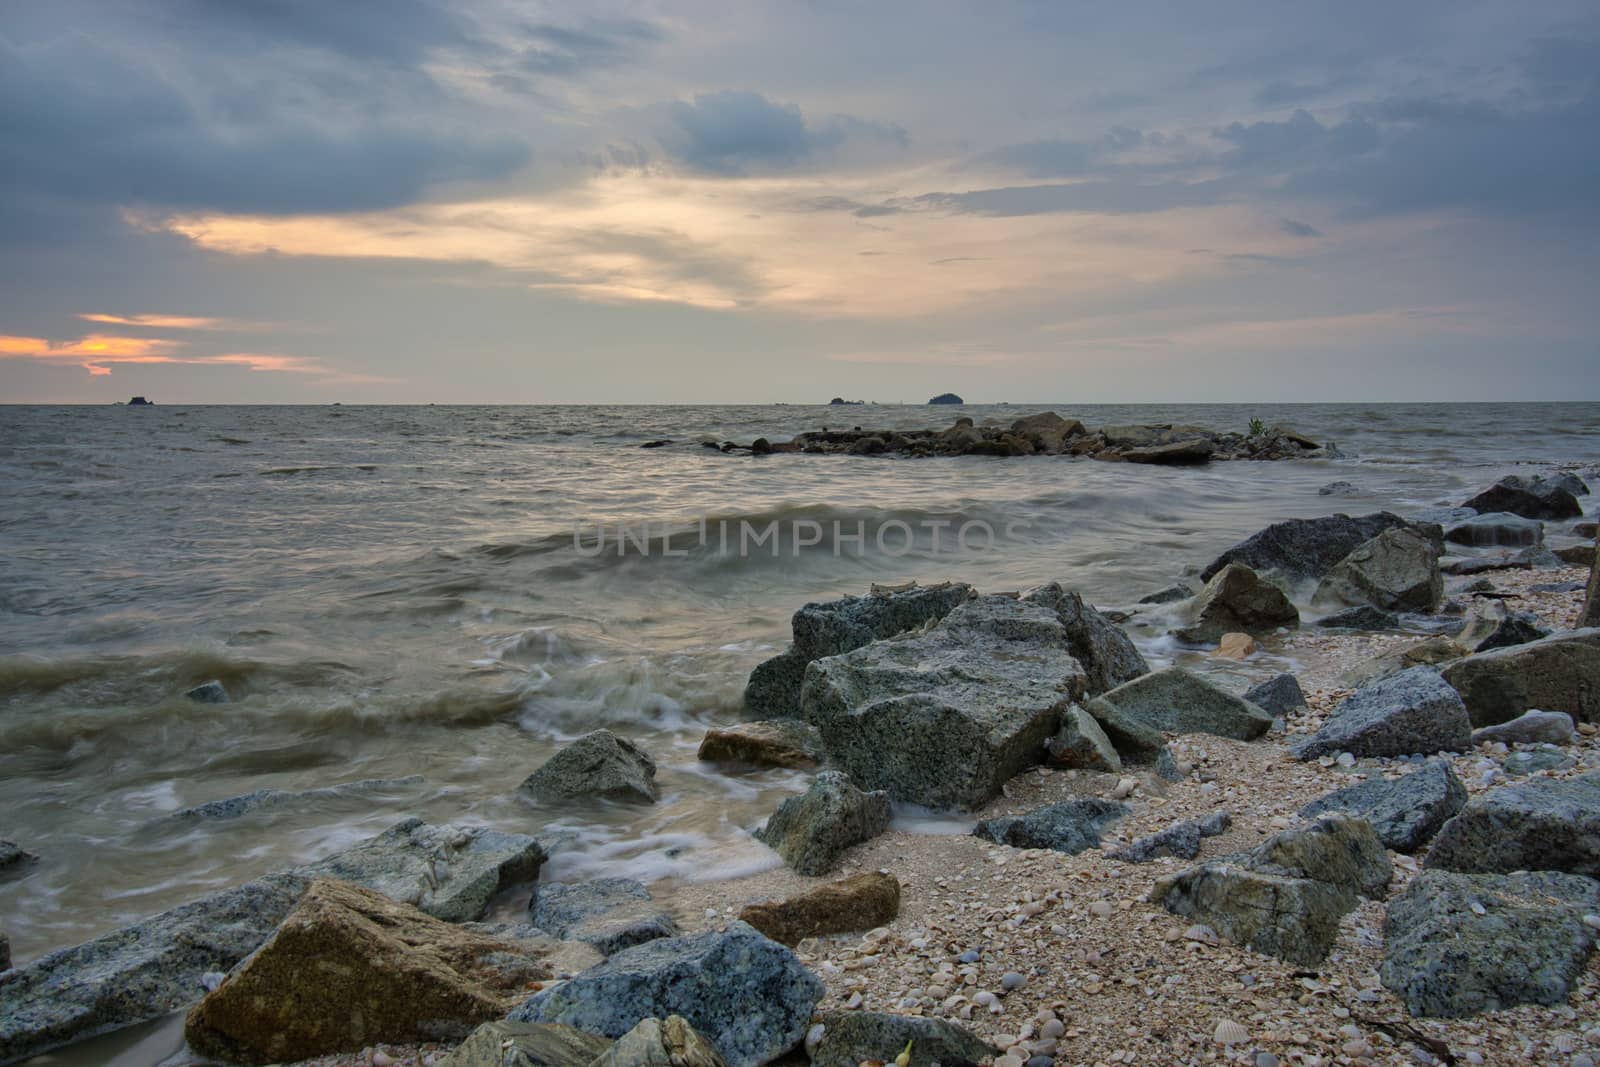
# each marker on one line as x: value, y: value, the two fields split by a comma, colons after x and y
x: 1257, y: 427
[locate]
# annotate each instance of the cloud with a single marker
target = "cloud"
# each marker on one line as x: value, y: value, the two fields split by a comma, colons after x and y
x: 1088, y: 197
x: 1296, y: 228
x: 167, y: 322
x: 1295, y: 142
x: 596, y: 44
x: 737, y: 132
x: 99, y: 353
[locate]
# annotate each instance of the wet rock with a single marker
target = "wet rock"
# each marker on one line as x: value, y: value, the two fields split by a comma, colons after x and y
x: 1590, y: 615
x: 746, y: 993
x: 1460, y: 944
x: 1070, y: 826
x: 1361, y: 617
x: 1531, y: 727
x: 1414, y: 711
x: 1236, y: 599
x: 1235, y: 646
x: 1405, y: 812
x: 860, y: 902
x: 853, y: 1037
x: 1545, y: 824
x: 1175, y: 701
x: 1556, y: 673
x: 1181, y: 840
x: 1279, y: 696
x: 349, y: 968
x: 1532, y: 498
x: 1429, y: 652
x: 14, y: 859
x: 1178, y: 453
x: 1047, y: 432
x: 764, y: 743
x: 1496, y: 529
x: 669, y: 1042
x: 1082, y: 744
x: 598, y: 764
x: 268, y: 800
x: 1339, y: 489
x: 1576, y: 555
x: 1170, y: 595
x: 610, y: 914
x: 5, y: 951
x: 812, y: 831
x: 1285, y: 897
x: 1304, y: 548
x: 212, y: 692
x: 1397, y: 571
x: 508, y: 1044
x: 1484, y: 564
x: 1492, y: 625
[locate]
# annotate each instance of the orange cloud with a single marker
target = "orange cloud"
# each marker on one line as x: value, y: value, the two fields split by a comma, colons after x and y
x: 97, y: 353
x: 162, y: 322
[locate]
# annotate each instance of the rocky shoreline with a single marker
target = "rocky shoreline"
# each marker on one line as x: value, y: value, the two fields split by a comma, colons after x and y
x: 1390, y: 856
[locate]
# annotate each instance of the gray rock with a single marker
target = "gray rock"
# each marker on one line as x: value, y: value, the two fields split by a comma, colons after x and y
x: 1539, y: 558
x: 1491, y: 625
x: 1339, y: 489
x: 1304, y: 548
x: 1362, y: 617
x: 598, y: 764
x: 1236, y: 600
x: 212, y: 692
x: 1405, y: 812
x: 1460, y: 944
x: 1496, y: 529
x: 811, y: 831
x: 1397, y: 571
x: 1070, y: 826
x: 1590, y: 615
x: 5, y: 951
x: 1577, y: 555
x: 1546, y: 824
x: 1135, y: 742
x: 1279, y: 696
x: 1169, y: 595
x: 610, y: 914
x: 764, y: 743
x: 1429, y: 652
x: 267, y: 800
x: 1285, y: 897
x: 1082, y: 744
x: 1587, y: 528
x: 14, y: 859
x: 851, y: 1037
x: 669, y: 1042
x: 1484, y: 564
x: 747, y: 994
x: 1176, y: 701
x: 1181, y: 840
x: 508, y: 1044
x: 1178, y: 453
x: 1533, y: 760
x: 1531, y: 727
x: 1556, y: 673
x: 155, y: 967
x: 1101, y: 647
x: 1532, y: 498
x: 1413, y: 711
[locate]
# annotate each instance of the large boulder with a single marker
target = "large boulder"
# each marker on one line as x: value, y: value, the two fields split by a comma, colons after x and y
x: 811, y: 831
x: 1175, y: 701
x: 1236, y: 600
x: 1414, y: 711
x: 598, y: 764
x: 1405, y: 812
x: 1070, y: 826
x: 156, y: 966
x: 669, y: 1042
x: 1285, y: 897
x: 850, y: 1038
x: 1496, y: 530
x: 1460, y: 944
x: 860, y: 902
x: 1397, y: 571
x: 747, y: 994
x: 1101, y: 647
x: 1193, y: 451
x: 508, y: 1044
x: 609, y: 914
x: 1545, y: 824
x: 1304, y: 548
x: 1047, y: 431
x: 764, y: 743
x: 349, y: 968
x: 1556, y: 673
x: 1532, y: 498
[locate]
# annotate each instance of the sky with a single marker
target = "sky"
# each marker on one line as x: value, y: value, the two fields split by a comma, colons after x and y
x: 498, y: 201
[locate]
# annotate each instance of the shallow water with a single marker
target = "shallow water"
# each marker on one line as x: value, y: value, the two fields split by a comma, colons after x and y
x: 393, y: 591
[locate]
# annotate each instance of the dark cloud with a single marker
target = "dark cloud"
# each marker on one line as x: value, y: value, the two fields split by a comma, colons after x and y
x: 1297, y: 141
x: 599, y: 44
x: 1044, y: 159
x: 400, y: 31
x: 736, y: 132
x: 1296, y: 228
x: 1095, y: 197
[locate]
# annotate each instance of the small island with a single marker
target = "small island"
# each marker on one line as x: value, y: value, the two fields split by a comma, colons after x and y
x: 141, y: 402
x: 947, y: 398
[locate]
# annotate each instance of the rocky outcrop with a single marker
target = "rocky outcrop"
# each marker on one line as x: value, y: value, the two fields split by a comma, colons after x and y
x: 1532, y: 498
x: 764, y: 743
x: 508, y: 1044
x: 1175, y: 701
x: 1414, y: 711
x: 860, y: 902
x: 1541, y: 825
x: 1460, y: 944
x: 1178, y: 453
x: 1235, y: 599
x: 1304, y: 548
x: 1279, y: 696
x: 947, y: 398
x: 1070, y: 826
x: 1496, y: 530
x: 811, y: 831
x: 669, y: 1042
x: 1556, y: 673
x: 746, y: 993
x: 598, y: 764
x: 609, y: 914
x: 1081, y: 744
x: 1491, y: 625
x: 1181, y: 840
x: 1405, y: 812
x: 1362, y: 617
x: 155, y: 967
x: 1101, y: 647
x: 1285, y: 897
x: 348, y: 968
x: 1530, y: 728
x: 850, y: 1038
x: 1396, y: 571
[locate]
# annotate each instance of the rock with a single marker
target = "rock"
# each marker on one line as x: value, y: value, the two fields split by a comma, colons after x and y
x: 861, y: 902
x: 154, y: 967
x: 1429, y: 652
x: 1556, y: 673
x: 1361, y: 617
x: 1533, y: 760
x: 263, y: 800
x: 1588, y: 529
x: 348, y: 968
x: 1170, y: 595
x: 14, y: 859
x: 598, y: 764
x: 1279, y: 696
x: 1491, y: 625
x: 812, y: 831
x: 5, y: 951
x: 212, y: 692
x: 852, y: 1037
x: 947, y: 398
x: 1070, y: 826
x: 610, y: 914
x: 747, y: 994
x: 1532, y: 498
x: 1496, y: 529
x: 1181, y: 840
x: 1304, y: 548
x: 1236, y: 599
x: 1485, y: 564
x: 1590, y: 615
x: 834, y: 627
x: 1235, y: 646
x: 1545, y: 824
x: 669, y: 1042
x: 1414, y: 711
x: 1577, y: 555
x: 1285, y: 897
x: 1397, y: 571
x: 1405, y: 812
x: 764, y: 743
x: 1460, y: 944
x: 1048, y: 431
x: 508, y: 1044
x: 1339, y: 489
x: 1082, y: 744
x: 1531, y: 727
x: 1175, y: 701
x: 1177, y: 453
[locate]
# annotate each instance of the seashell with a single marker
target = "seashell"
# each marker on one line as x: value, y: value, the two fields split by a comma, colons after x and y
x: 814, y: 1038
x: 1229, y: 1032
